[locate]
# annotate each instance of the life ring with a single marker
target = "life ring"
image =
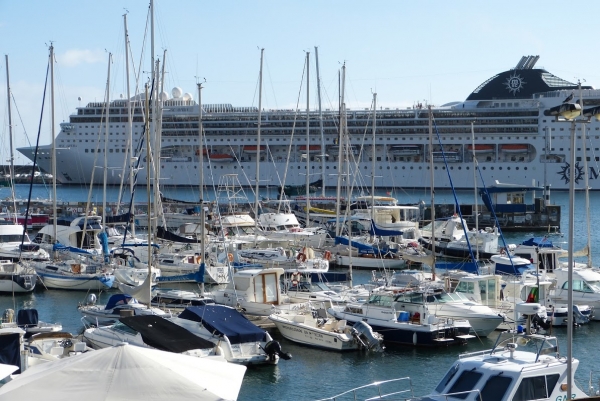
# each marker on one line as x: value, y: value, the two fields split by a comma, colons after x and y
x: 327, y: 255
x: 301, y: 257
x: 295, y: 279
x: 230, y: 257
x: 198, y: 259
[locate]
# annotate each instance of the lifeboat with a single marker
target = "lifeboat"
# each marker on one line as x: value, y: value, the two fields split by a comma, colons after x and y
x: 451, y: 156
x: 204, y: 151
x: 481, y: 148
x: 335, y: 150
x: 515, y: 148
x: 221, y: 158
x: 405, y: 150
x: 311, y: 148
x: 254, y: 148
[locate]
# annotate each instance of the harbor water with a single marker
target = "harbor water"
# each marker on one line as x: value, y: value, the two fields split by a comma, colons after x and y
x: 314, y: 374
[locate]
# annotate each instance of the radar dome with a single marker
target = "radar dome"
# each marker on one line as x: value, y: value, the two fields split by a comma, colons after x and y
x: 187, y: 96
x: 176, y: 92
x: 164, y: 96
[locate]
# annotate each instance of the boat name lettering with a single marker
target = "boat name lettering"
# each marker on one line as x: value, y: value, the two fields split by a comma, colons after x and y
x: 292, y: 328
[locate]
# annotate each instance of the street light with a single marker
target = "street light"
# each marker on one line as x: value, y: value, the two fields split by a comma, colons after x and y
x: 569, y: 112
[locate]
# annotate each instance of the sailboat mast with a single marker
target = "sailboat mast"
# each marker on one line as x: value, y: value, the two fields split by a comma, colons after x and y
x: 148, y: 197
x: 323, y: 177
x: 432, y: 190
x: 587, y: 196
x: 260, y: 75
x: 373, y: 157
x: 475, y: 188
x: 54, y: 208
x: 129, y: 124
x: 201, y: 147
x: 307, y: 140
x: 340, y: 154
x: 10, y: 135
x: 105, y: 176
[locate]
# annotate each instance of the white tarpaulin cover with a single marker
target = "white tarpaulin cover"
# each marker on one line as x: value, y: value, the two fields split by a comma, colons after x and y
x: 127, y: 372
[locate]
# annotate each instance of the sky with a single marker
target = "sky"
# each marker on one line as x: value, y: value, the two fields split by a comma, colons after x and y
x: 430, y: 52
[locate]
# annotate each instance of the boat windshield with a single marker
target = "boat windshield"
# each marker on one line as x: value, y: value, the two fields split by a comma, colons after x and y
x: 594, y: 285
x: 444, y: 297
x: 319, y: 287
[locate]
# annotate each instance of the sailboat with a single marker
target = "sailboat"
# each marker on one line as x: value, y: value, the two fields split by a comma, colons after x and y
x: 72, y: 268
x: 16, y: 276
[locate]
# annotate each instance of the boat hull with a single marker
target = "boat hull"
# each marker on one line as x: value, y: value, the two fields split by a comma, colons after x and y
x: 306, y: 335
x: 17, y: 283
x: 82, y: 283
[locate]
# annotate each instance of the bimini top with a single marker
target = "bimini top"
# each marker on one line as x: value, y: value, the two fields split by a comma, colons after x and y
x: 223, y: 320
x: 521, y: 82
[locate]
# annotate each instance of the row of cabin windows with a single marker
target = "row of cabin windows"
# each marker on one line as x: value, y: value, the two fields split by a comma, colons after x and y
x: 495, y: 388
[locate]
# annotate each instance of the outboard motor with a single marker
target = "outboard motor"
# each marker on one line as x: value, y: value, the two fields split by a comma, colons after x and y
x: 578, y: 317
x: 273, y: 350
x: 363, y: 333
x: 537, y: 321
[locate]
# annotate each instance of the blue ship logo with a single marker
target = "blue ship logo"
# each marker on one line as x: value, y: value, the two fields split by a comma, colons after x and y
x: 565, y: 173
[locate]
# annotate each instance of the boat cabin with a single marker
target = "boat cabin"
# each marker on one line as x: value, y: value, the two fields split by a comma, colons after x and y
x: 507, y: 373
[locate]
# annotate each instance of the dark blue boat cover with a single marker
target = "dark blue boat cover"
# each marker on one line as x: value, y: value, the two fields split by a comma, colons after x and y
x: 118, y: 299
x: 10, y: 350
x: 227, y: 321
x: 540, y: 242
x: 382, y: 232
x: 27, y: 318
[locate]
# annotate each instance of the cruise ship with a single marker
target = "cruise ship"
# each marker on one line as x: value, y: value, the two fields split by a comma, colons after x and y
x: 518, y: 139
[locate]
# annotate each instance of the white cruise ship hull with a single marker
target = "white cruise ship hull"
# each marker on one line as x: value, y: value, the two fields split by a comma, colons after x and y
x: 518, y: 140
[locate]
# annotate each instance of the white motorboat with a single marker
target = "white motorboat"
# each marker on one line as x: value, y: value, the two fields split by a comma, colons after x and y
x: 16, y: 277
x: 257, y: 292
x: 16, y: 245
x: 28, y: 321
x: 418, y: 327
x: 52, y: 346
x: 150, y: 331
x: 502, y: 296
x: 238, y: 339
x: 518, y: 367
x: 173, y: 299
x: 79, y: 232
x: 318, y: 329
x: 586, y: 288
x: 118, y: 305
x: 301, y: 289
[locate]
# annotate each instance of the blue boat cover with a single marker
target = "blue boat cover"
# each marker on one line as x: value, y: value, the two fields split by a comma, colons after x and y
x: 223, y: 320
x: 119, y: 299
x: 382, y: 232
x: 516, y: 270
x: 58, y: 247
x: 468, y: 267
x: 10, y: 352
x: 540, y: 242
x: 27, y: 318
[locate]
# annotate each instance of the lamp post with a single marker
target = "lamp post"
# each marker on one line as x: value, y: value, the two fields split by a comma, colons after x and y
x: 573, y: 113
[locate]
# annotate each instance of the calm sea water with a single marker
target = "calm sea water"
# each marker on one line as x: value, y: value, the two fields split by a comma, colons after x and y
x: 314, y: 374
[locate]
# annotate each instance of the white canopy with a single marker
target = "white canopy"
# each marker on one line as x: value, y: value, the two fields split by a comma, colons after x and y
x: 127, y: 372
